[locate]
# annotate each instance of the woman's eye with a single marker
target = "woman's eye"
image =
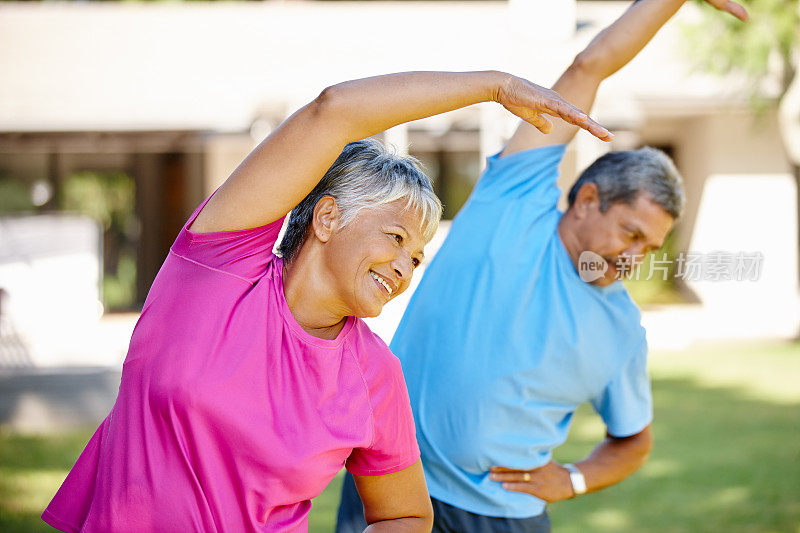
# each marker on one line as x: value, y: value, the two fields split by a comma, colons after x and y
x: 398, y: 238
x: 415, y: 262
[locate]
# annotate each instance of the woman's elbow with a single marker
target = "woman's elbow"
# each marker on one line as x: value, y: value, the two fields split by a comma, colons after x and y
x: 323, y: 103
x: 427, y: 519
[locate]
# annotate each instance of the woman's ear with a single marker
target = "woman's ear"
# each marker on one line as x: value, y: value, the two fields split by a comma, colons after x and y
x: 326, y: 219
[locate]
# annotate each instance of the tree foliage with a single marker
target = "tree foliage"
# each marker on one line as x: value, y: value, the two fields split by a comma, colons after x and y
x: 763, y: 47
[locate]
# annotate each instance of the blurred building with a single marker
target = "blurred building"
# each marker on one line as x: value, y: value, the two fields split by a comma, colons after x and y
x: 163, y: 100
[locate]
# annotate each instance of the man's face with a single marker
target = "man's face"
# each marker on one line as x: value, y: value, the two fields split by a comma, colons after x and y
x: 622, y: 235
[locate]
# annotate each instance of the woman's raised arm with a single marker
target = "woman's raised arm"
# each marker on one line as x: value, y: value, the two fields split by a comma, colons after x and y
x: 281, y: 170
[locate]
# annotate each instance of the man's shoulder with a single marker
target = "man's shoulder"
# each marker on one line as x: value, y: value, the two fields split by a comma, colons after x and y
x: 520, y: 174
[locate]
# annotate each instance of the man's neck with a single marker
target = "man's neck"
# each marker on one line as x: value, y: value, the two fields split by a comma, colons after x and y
x: 569, y: 237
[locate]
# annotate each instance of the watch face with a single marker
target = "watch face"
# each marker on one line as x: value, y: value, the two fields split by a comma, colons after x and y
x: 577, y: 479
x: 578, y: 482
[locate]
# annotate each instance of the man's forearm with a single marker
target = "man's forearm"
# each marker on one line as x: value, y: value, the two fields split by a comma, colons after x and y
x: 616, y: 45
x: 614, y: 459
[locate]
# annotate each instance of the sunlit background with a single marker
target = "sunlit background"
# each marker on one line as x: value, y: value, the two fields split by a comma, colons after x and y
x: 118, y: 118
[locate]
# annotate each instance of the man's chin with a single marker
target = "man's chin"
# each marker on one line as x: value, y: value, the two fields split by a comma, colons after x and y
x: 605, y: 281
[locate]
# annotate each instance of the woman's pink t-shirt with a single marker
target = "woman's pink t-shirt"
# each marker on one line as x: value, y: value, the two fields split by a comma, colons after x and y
x: 231, y: 417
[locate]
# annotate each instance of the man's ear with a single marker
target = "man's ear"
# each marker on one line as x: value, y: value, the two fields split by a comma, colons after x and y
x: 326, y: 218
x: 587, y: 199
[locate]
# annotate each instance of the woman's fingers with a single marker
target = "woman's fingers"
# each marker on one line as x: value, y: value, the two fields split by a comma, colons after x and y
x: 541, y: 123
x: 559, y: 107
x: 529, y: 101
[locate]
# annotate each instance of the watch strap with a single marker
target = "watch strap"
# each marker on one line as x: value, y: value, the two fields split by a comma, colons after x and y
x: 577, y: 479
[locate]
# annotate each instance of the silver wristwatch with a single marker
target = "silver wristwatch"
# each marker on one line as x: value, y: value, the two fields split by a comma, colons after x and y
x: 577, y: 479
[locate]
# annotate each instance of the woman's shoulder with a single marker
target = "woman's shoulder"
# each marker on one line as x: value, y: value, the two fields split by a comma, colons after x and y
x: 372, y: 353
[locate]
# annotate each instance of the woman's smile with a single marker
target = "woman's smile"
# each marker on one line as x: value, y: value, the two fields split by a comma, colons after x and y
x: 383, y: 283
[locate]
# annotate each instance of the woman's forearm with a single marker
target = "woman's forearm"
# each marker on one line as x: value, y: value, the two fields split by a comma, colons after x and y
x: 286, y: 165
x: 402, y: 525
x: 368, y: 106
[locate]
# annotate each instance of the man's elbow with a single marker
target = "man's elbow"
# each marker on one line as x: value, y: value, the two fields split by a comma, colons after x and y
x: 643, y: 445
x: 589, y: 64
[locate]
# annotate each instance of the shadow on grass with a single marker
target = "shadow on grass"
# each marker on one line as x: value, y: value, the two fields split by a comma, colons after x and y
x: 722, y: 461
x: 31, y: 470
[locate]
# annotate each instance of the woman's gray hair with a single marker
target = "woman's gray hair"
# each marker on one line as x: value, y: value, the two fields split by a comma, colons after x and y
x: 622, y: 176
x: 366, y: 174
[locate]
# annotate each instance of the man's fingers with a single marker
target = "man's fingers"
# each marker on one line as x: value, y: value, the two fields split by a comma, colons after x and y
x: 520, y: 476
x: 736, y: 10
x: 516, y: 480
x: 504, y: 469
x: 517, y: 487
x: 731, y: 7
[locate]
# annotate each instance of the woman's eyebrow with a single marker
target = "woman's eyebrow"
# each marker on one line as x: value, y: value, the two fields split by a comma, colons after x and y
x: 420, y: 253
x: 402, y: 227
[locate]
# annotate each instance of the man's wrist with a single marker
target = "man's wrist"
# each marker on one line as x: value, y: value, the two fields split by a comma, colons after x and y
x: 577, y: 479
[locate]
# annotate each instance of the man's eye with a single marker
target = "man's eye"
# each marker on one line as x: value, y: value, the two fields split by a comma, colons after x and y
x: 398, y: 238
x: 415, y: 262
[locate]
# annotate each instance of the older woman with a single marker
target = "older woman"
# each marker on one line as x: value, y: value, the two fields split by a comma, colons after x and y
x: 249, y: 381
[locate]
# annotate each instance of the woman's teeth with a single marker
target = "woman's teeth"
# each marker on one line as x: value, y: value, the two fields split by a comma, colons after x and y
x: 382, y: 281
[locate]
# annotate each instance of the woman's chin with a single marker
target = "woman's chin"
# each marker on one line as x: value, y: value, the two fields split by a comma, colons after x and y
x: 369, y: 313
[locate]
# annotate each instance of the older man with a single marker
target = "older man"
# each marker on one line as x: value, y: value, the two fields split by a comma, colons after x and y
x: 519, y: 319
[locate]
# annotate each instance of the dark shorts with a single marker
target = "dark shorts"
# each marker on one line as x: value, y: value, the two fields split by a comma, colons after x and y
x: 446, y: 518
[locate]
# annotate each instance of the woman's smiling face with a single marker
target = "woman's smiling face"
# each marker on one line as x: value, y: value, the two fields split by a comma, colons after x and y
x: 371, y: 259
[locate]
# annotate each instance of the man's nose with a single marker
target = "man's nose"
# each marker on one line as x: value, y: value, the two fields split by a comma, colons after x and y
x: 636, y: 255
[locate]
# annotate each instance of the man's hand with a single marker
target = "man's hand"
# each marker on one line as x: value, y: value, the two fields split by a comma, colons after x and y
x: 531, y: 102
x: 731, y: 7
x: 550, y: 482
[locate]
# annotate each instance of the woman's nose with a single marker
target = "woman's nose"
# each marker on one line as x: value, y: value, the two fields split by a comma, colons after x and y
x: 402, y: 267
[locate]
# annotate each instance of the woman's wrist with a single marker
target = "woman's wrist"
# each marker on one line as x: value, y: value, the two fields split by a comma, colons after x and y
x: 495, y: 82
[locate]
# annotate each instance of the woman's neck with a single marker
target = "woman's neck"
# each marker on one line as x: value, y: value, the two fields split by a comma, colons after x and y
x: 309, y: 298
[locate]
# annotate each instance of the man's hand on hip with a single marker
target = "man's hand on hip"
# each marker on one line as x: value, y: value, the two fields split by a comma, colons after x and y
x: 550, y: 482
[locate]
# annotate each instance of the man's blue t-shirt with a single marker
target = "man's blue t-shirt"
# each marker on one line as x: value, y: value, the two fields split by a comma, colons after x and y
x: 502, y: 341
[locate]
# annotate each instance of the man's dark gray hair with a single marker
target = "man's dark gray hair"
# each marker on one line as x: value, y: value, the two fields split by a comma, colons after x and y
x: 366, y: 174
x: 623, y: 176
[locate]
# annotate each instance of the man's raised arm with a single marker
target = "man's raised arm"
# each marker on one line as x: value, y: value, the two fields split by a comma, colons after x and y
x: 608, y: 52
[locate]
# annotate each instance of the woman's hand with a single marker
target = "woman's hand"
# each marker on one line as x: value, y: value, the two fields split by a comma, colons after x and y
x: 530, y: 102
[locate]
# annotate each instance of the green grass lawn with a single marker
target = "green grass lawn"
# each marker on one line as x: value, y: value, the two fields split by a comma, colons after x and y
x: 726, y: 456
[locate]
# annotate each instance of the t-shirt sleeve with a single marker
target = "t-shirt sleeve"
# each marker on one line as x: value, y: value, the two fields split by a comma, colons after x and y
x: 531, y: 175
x: 70, y: 506
x: 626, y: 403
x: 394, y: 443
x: 243, y: 253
